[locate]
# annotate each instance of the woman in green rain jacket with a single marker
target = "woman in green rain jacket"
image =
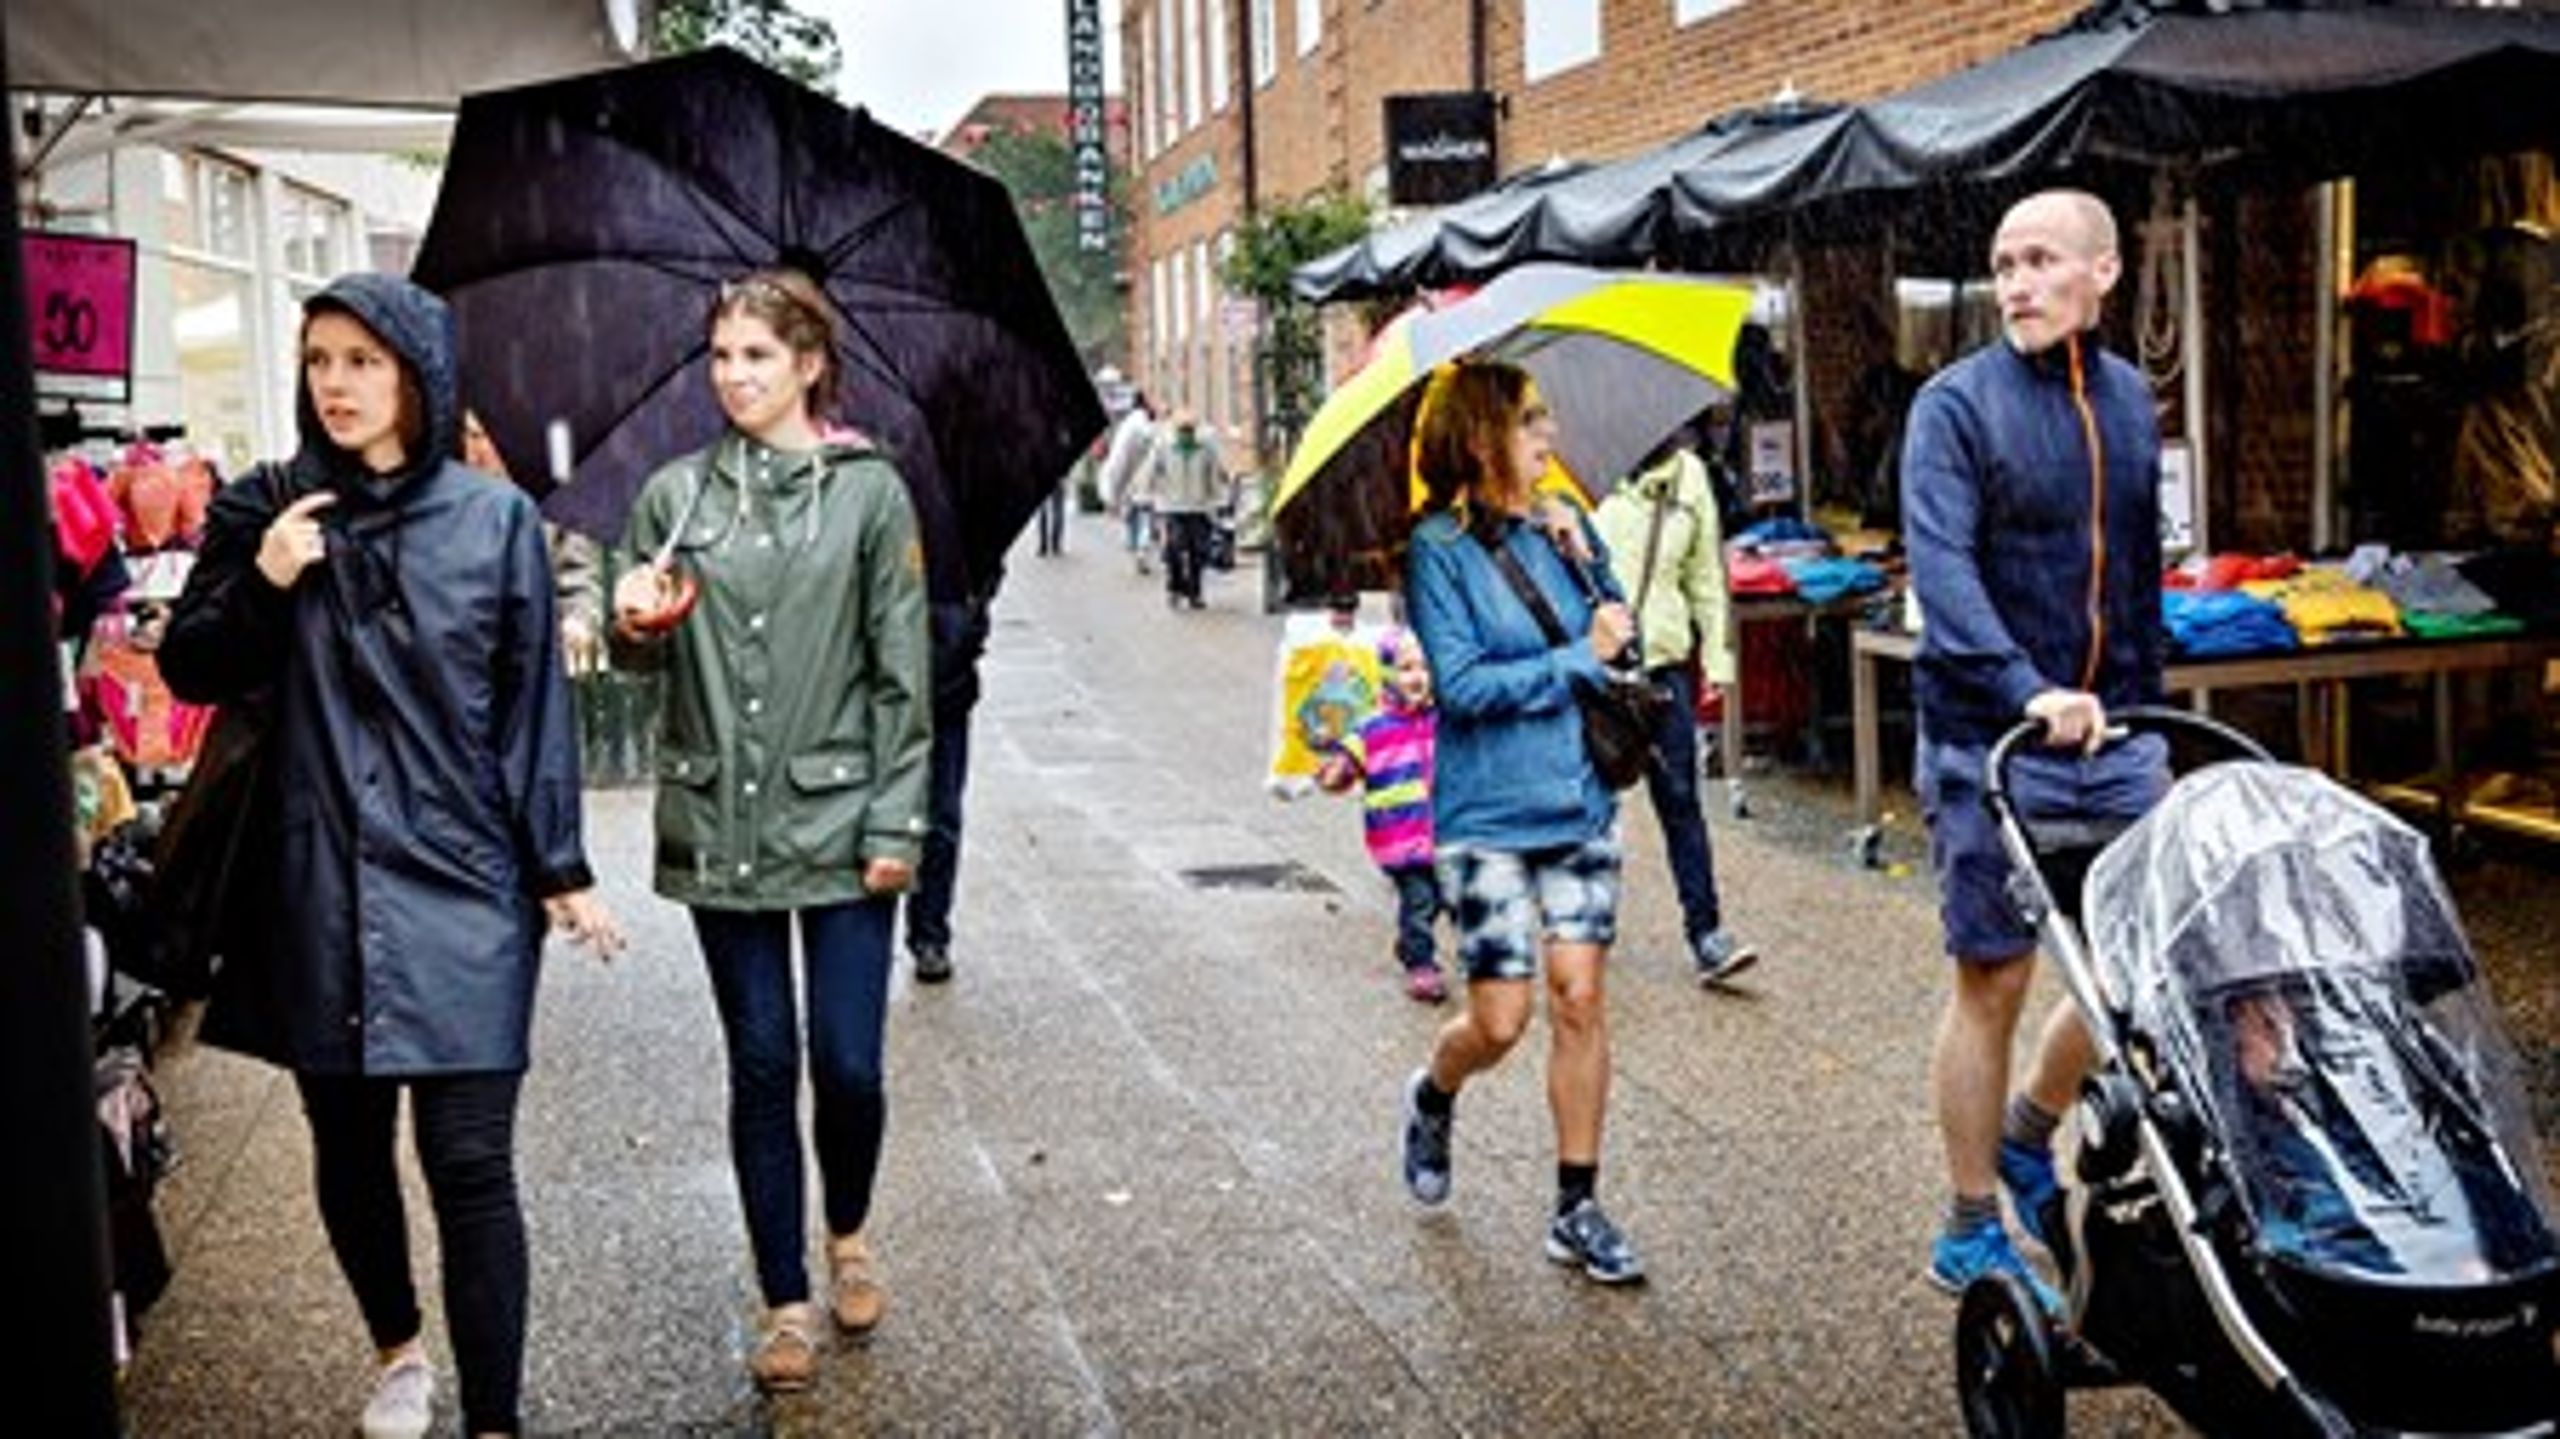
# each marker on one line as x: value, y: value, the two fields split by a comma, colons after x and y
x: 792, y: 773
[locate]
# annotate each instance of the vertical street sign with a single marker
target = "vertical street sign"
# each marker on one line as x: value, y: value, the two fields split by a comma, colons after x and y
x: 1085, y: 125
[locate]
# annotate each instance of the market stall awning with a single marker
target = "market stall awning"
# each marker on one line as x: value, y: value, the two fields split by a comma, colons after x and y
x: 2251, y: 93
x: 2271, y: 92
x: 1609, y: 216
x: 412, y: 53
x: 1405, y: 256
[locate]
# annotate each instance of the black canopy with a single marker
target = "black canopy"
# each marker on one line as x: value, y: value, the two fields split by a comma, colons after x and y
x: 1405, y: 257
x: 2239, y: 91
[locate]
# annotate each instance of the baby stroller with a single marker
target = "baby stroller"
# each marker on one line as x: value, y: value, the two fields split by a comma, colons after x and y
x: 2307, y: 1197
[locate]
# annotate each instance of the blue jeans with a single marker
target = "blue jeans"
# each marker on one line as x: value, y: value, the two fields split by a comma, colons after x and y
x: 938, y: 876
x: 1672, y: 783
x: 845, y: 960
x: 1417, y: 908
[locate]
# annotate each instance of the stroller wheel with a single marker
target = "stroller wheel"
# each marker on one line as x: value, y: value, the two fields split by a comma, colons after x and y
x: 2006, y: 1377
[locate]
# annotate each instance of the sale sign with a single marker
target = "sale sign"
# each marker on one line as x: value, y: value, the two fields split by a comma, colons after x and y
x: 80, y: 302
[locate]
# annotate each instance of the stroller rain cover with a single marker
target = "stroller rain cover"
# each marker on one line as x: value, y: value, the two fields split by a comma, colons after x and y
x: 2288, y: 951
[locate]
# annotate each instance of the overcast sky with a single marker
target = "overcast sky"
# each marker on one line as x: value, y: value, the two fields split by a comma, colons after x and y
x: 920, y: 64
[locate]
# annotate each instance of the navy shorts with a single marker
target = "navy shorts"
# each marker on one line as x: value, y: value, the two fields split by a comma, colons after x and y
x: 1506, y: 900
x: 1982, y: 921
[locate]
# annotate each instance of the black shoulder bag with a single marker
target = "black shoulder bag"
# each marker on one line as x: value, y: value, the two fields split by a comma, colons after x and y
x: 1619, y: 719
x: 217, y: 847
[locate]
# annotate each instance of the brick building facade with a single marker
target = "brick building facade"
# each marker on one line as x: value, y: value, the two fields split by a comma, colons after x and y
x: 1237, y: 104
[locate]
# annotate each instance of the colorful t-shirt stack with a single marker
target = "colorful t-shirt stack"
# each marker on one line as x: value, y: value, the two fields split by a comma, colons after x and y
x: 1393, y: 748
x: 2326, y: 607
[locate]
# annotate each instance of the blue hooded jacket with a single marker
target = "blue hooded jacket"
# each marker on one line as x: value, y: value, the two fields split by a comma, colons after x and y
x: 1998, y: 485
x: 423, y: 749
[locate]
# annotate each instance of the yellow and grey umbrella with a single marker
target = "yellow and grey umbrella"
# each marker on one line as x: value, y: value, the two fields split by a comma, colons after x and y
x: 1622, y: 360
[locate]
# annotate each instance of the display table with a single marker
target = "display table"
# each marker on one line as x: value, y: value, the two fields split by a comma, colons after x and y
x: 2436, y: 660
x: 1746, y: 610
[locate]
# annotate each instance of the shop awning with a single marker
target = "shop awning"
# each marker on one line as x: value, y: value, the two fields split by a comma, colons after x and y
x: 1608, y: 216
x: 404, y: 53
x: 2303, y: 90
x: 2249, y: 89
x: 1403, y: 257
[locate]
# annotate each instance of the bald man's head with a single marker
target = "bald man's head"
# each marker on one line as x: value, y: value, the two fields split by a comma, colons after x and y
x: 2053, y: 261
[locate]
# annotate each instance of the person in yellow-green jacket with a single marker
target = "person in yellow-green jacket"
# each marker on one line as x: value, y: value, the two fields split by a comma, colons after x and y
x: 1664, y: 538
x: 793, y: 774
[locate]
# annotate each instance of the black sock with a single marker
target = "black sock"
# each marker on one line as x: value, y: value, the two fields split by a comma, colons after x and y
x: 2029, y: 1123
x: 1431, y: 1099
x: 1574, y: 1184
x: 1968, y: 1212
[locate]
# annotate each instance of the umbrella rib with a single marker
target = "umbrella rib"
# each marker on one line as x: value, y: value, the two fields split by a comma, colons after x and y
x: 665, y: 377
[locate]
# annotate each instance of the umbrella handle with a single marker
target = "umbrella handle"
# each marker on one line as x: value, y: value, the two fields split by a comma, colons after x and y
x: 665, y: 554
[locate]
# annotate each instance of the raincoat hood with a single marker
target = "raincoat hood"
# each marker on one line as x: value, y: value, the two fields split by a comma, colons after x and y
x: 417, y: 328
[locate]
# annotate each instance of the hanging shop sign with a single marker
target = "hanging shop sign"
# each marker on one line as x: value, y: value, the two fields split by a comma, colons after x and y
x: 1439, y: 146
x: 80, y: 308
x: 1086, y: 133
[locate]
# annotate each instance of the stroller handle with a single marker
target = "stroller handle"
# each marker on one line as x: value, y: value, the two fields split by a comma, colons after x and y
x: 2122, y: 725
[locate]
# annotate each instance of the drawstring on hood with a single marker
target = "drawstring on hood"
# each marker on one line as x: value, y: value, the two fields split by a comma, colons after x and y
x: 418, y: 330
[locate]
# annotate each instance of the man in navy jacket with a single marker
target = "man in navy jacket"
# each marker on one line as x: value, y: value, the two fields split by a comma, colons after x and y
x: 2030, y: 489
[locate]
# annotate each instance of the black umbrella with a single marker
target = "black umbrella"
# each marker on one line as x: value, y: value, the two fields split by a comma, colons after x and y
x: 584, y: 226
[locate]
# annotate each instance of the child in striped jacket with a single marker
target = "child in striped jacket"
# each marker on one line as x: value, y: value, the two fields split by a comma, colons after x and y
x: 1389, y: 756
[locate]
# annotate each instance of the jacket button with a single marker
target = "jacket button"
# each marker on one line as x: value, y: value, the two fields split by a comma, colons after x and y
x: 754, y: 705
x: 748, y: 789
x: 745, y: 869
x: 840, y: 771
x: 755, y: 622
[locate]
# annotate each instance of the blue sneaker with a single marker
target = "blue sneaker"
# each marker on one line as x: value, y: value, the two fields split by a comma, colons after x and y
x: 1426, y: 1145
x: 2026, y: 1171
x: 1583, y: 1235
x: 1957, y: 1260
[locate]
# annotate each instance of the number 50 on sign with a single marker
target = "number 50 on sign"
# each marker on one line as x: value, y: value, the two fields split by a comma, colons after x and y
x: 80, y: 305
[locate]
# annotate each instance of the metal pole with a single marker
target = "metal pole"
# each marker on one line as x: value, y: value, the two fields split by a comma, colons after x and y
x: 2324, y: 370
x: 2191, y: 335
x: 60, y: 1365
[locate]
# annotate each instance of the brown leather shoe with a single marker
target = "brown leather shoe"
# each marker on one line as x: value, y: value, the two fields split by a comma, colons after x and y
x: 858, y: 1298
x: 785, y: 1359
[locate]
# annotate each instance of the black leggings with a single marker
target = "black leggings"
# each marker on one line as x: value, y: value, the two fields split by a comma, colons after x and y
x: 465, y: 1127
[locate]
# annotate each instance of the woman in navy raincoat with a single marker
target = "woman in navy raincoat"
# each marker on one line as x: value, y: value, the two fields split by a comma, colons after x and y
x: 395, y: 610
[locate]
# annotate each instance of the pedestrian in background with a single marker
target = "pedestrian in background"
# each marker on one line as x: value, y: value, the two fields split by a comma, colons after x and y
x: 1186, y: 484
x: 1388, y: 757
x: 2030, y: 483
x: 1525, y: 829
x: 392, y: 611
x: 959, y: 638
x: 1124, y: 467
x: 577, y: 588
x: 794, y: 773
x: 1667, y: 544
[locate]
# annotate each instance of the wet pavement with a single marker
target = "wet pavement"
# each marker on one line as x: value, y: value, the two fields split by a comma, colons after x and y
x: 1141, y: 1171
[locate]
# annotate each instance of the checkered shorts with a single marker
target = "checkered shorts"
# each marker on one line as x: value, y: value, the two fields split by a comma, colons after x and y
x: 1506, y: 900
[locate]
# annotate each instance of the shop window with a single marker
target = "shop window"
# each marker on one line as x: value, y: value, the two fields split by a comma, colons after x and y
x: 1204, y: 287
x: 227, y: 200
x: 1689, y: 12
x: 212, y: 331
x: 315, y: 230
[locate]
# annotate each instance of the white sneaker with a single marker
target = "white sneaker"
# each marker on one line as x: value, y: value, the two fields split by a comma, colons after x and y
x: 404, y: 1399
